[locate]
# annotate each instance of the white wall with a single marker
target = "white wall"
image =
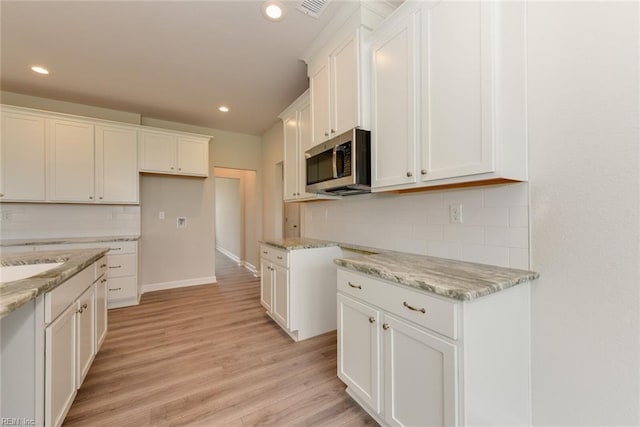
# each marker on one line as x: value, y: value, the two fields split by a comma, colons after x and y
x: 272, y: 150
x: 584, y: 113
x: 494, y: 229
x: 229, y: 217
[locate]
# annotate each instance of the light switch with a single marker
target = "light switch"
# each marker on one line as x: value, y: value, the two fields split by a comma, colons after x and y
x: 161, y: 215
x: 181, y: 222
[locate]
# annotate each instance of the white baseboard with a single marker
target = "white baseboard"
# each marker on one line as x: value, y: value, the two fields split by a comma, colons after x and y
x: 178, y: 284
x: 126, y: 302
x: 229, y: 254
x: 251, y: 268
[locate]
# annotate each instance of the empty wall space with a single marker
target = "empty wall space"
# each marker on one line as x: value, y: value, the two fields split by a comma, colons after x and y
x: 272, y: 148
x: 229, y: 217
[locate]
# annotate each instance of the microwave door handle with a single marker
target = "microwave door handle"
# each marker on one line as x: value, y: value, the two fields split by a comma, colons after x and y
x: 335, y: 159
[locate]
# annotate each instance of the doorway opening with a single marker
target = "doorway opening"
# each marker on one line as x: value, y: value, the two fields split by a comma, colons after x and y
x: 236, y: 216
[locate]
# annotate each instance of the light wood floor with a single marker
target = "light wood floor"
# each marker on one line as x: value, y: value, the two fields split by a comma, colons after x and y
x: 208, y: 355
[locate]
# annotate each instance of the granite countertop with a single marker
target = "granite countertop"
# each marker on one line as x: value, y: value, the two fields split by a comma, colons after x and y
x: 17, y: 293
x: 295, y: 243
x: 449, y: 278
x: 65, y: 240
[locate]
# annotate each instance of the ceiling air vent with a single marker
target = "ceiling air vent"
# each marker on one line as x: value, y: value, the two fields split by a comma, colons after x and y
x: 312, y: 7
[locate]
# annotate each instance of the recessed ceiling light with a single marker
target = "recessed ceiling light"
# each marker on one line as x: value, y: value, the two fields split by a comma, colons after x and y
x: 273, y: 10
x: 224, y: 109
x: 40, y: 70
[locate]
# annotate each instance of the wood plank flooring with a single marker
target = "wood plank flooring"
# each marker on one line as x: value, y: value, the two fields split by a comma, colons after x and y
x: 208, y: 355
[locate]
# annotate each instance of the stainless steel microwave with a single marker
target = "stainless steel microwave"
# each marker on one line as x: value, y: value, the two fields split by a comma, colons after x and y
x: 340, y: 166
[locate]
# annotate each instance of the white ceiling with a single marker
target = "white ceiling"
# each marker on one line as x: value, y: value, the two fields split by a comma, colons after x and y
x: 174, y: 61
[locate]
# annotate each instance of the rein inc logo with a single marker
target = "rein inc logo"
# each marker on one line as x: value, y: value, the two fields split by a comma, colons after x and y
x: 9, y: 421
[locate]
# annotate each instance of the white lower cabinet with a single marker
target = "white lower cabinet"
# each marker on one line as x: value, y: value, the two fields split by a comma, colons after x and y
x: 296, y: 289
x: 60, y: 366
x: 412, y: 359
x: 86, y: 333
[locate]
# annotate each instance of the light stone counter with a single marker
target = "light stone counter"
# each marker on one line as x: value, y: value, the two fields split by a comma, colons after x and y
x: 66, y: 240
x: 15, y: 294
x: 295, y: 243
x: 449, y: 278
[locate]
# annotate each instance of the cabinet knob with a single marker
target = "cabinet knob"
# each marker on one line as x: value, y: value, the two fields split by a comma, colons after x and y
x: 171, y: 167
x: 333, y: 131
x: 90, y: 197
x: 179, y: 169
x: 409, y: 174
x: 385, y: 326
x: 279, y: 257
x: 326, y: 134
x: 265, y: 252
x: 79, y: 311
x: 84, y: 306
x: 423, y: 172
x: 103, y: 280
x: 100, y: 197
x: 372, y: 319
x: 1, y: 194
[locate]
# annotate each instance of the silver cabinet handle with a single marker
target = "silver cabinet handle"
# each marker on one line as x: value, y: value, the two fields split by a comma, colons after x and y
x: 115, y: 289
x: 372, y: 319
x: 355, y: 286
x: 385, y: 326
x: 409, y: 174
x: 421, y: 310
x: 115, y: 266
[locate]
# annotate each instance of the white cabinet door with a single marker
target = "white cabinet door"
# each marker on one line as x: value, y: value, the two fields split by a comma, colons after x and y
x: 345, y: 86
x: 393, y: 127
x: 70, y: 161
x: 60, y: 366
x: 22, y: 157
x: 193, y: 156
x: 86, y: 334
x: 359, y: 350
x: 280, y: 308
x: 156, y: 152
x: 101, y: 311
x: 305, y: 143
x: 457, y: 92
x: 266, y: 285
x: 320, y: 103
x: 290, y: 159
x: 116, y: 164
x: 420, y: 376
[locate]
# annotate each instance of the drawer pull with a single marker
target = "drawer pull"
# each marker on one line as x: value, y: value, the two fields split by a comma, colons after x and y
x: 265, y: 252
x: 115, y: 289
x: 116, y: 249
x: 421, y: 310
x: 372, y: 319
x: 115, y: 266
x: 385, y: 326
x: 103, y: 265
x: 279, y: 257
x: 355, y: 286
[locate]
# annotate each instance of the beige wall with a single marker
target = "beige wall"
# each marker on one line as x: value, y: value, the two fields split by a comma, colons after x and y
x: 249, y: 251
x: 229, y: 217
x: 272, y: 150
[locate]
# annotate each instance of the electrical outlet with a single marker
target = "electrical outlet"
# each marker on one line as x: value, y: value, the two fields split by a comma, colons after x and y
x: 161, y: 215
x: 455, y: 214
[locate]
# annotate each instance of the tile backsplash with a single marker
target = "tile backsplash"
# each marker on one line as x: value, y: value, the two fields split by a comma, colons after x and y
x: 494, y: 228
x: 32, y: 220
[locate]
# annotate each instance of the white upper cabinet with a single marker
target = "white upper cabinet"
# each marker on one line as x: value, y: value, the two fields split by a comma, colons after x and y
x: 297, y: 120
x: 70, y: 161
x: 116, y: 164
x: 448, y: 95
x: 393, y: 124
x: 335, y: 84
x: 173, y: 153
x: 22, y: 157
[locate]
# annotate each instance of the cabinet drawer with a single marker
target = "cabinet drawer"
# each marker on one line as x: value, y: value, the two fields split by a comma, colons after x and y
x: 121, y: 265
x: 100, y: 268
x: 122, y: 287
x: 118, y: 248
x: 418, y: 307
x: 56, y: 301
x: 277, y: 256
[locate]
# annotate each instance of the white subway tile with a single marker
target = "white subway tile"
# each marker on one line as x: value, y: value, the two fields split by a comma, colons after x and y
x: 445, y: 249
x: 507, y: 195
x: 516, y: 237
x: 462, y: 233
x: 519, y: 258
x: 483, y: 254
x: 472, y: 197
x: 412, y: 246
x: 497, y: 217
x: 519, y: 216
x: 428, y: 232
x: 437, y: 215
